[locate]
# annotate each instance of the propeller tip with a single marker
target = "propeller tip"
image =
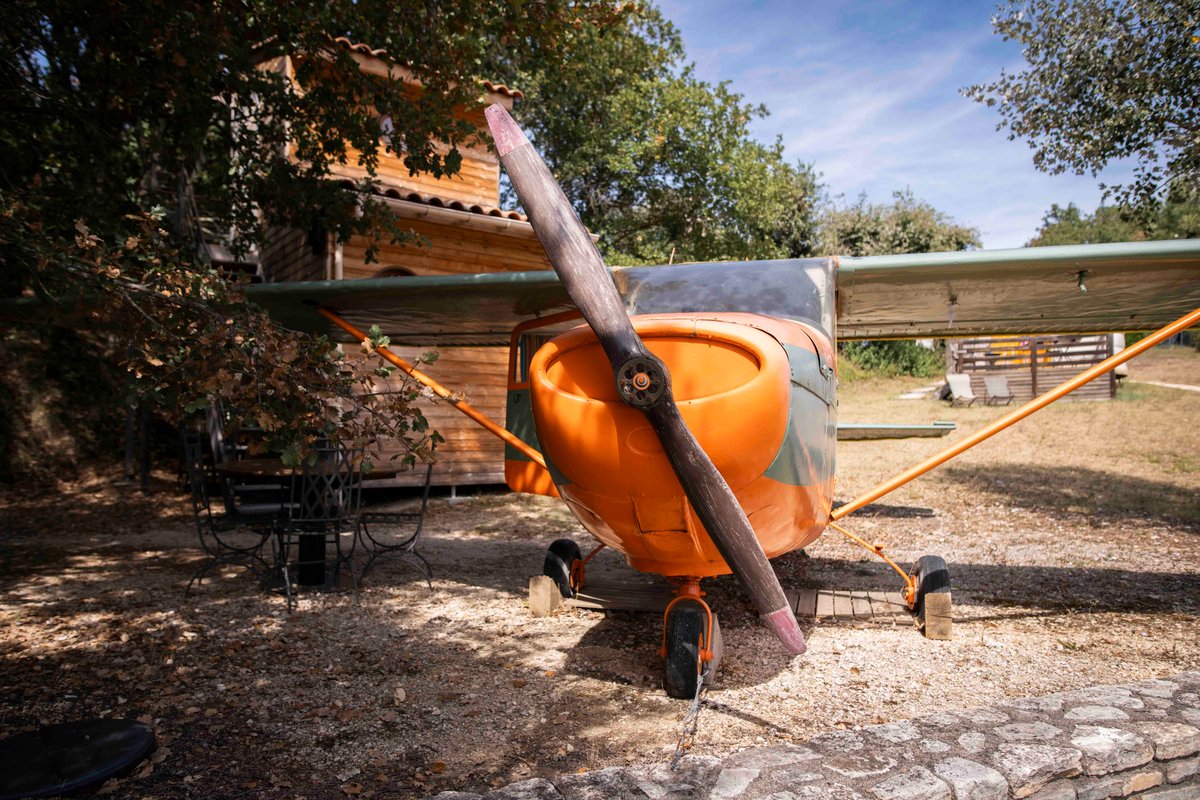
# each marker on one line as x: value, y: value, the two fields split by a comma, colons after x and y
x: 505, y: 131
x: 782, y: 623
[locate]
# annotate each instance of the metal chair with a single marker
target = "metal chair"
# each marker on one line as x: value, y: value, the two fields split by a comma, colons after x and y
x: 403, y: 546
x: 229, y: 538
x: 325, y: 498
x: 240, y: 496
x: 997, y: 390
x: 960, y: 389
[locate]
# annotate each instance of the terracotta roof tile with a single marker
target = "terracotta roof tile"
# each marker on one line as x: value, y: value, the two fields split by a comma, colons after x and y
x: 382, y: 53
x: 457, y: 205
x: 443, y: 202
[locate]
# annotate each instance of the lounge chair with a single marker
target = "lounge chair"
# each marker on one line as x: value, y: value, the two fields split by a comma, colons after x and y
x: 960, y: 389
x: 996, y: 390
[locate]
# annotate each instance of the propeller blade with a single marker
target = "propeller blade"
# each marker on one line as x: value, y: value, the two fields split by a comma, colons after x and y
x: 642, y: 380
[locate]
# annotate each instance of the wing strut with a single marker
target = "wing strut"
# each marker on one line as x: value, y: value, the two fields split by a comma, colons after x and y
x: 1033, y: 405
x: 437, y: 388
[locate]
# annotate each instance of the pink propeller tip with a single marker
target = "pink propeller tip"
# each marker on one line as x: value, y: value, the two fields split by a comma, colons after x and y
x: 505, y: 131
x: 783, y: 624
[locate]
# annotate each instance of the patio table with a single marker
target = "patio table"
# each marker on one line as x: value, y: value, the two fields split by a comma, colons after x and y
x: 271, y: 469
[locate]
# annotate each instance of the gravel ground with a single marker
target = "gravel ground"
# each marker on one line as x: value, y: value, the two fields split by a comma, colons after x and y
x: 1072, y: 542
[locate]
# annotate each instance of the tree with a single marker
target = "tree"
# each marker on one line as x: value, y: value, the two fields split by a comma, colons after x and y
x: 1106, y: 80
x: 1177, y: 218
x: 907, y: 225
x: 658, y: 163
x: 1071, y: 226
x: 124, y: 129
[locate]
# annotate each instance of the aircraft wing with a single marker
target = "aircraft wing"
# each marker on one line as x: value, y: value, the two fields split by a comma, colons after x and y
x: 464, y: 310
x: 1069, y: 289
x: 482, y: 309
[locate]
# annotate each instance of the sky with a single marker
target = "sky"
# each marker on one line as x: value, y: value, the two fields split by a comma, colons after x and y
x: 868, y: 92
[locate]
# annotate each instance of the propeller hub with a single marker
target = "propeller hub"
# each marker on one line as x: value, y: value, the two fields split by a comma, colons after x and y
x: 641, y: 381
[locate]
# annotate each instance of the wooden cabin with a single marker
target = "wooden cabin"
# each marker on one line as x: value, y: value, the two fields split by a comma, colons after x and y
x: 460, y: 229
x: 1034, y: 364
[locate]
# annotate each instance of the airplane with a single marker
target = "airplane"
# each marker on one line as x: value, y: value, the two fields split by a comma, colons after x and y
x: 687, y: 414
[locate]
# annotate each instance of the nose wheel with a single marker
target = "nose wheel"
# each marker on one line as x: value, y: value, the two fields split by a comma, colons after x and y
x: 692, y: 645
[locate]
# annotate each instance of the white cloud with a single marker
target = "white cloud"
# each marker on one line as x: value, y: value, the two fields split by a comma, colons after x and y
x: 868, y: 92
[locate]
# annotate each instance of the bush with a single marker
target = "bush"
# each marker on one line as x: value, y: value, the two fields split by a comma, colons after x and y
x: 892, y: 358
x: 1190, y: 338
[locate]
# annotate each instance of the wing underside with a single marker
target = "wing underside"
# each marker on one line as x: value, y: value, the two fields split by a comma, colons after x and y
x: 1073, y: 289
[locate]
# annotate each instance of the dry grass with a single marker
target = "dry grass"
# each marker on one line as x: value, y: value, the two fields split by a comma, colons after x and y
x: 1072, y: 541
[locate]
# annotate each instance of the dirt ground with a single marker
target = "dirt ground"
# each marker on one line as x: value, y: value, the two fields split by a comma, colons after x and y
x: 1072, y: 541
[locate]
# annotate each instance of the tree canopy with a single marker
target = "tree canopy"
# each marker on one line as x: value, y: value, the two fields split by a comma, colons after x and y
x: 658, y: 163
x: 906, y: 225
x: 126, y: 130
x: 1105, y: 81
x: 109, y: 108
x: 1177, y: 218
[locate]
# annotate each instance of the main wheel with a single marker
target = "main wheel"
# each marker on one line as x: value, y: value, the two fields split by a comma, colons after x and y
x: 932, y: 605
x: 561, y: 556
x: 685, y: 635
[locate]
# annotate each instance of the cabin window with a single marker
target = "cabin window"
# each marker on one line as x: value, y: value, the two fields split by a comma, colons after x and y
x: 394, y: 271
x: 527, y: 345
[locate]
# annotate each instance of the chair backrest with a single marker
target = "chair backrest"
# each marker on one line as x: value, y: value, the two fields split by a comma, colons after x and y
x: 960, y: 384
x: 424, y: 500
x: 327, y: 491
x: 198, y: 476
x: 997, y: 386
x: 222, y: 444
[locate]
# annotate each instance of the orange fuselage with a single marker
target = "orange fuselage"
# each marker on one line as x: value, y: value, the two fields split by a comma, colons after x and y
x: 757, y: 392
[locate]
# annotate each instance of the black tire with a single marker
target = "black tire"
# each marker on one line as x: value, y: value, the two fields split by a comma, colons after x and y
x: 561, y: 556
x: 932, y: 576
x: 685, y: 630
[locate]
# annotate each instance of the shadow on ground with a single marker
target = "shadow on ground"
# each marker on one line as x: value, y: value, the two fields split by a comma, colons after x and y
x: 1064, y: 492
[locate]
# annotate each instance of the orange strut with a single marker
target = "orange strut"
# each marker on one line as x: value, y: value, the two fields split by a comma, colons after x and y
x: 1033, y: 405
x: 579, y: 568
x: 910, y: 585
x: 437, y: 388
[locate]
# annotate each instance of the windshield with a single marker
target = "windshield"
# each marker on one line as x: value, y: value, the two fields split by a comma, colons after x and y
x: 800, y: 289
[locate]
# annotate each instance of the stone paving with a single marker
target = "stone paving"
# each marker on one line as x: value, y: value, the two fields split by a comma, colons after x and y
x: 1134, y: 740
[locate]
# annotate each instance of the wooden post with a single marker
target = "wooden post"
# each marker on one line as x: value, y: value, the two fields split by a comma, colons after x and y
x: 1033, y: 351
x: 1112, y: 375
x: 544, y: 596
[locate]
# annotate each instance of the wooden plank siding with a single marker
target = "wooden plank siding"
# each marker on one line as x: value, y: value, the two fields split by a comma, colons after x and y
x: 1034, y: 365
x: 477, y: 181
x: 445, y: 250
x: 470, y: 455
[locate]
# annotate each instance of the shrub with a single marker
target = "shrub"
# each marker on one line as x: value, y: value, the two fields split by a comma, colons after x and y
x: 891, y: 358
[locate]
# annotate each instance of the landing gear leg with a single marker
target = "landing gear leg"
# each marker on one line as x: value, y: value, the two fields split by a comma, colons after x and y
x: 926, y: 590
x: 691, y: 646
